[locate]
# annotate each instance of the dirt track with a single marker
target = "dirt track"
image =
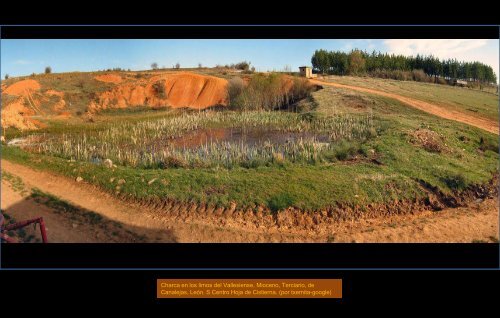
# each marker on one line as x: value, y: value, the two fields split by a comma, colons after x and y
x: 478, y: 222
x: 485, y: 124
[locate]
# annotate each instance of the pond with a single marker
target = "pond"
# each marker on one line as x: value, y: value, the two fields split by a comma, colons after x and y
x: 247, y: 136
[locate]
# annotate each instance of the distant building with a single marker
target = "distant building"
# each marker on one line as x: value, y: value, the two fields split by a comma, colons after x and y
x: 459, y: 83
x: 306, y: 71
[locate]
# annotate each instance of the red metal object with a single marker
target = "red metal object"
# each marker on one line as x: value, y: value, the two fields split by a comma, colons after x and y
x: 18, y: 225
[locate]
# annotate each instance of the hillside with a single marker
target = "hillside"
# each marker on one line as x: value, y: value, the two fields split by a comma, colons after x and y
x: 28, y: 101
x: 343, y: 157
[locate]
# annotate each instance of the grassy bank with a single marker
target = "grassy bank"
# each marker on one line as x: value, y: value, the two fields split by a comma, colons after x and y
x: 470, y: 101
x: 410, y: 147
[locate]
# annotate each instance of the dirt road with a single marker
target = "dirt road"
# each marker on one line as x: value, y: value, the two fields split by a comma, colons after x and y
x: 485, y: 124
x: 90, y: 215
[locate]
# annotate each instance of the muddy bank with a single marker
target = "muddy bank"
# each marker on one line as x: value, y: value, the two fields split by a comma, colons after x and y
x: 297, y: 220
x: 477, y: 221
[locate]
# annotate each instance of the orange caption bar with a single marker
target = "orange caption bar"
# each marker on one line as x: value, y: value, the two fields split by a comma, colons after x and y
x: 249, y: 288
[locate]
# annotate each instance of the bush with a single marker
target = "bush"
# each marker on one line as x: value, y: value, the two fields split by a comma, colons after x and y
x: 6, y: 76
x: 415, y: 75
x: 428, y: 139
x: 244, y: 66
x: 154, y: 66
x: 48, y: 70
x: 345, y: 151
x: 455, y: 181
x: 159, y: 88
x: 236, y: 86
x: 487, y: 144
x: 280, y: 202
x: 356, y: 63
x: 268, y: 92
x: 441, y: 81
x: 170, y: 162
x: 419, y: 76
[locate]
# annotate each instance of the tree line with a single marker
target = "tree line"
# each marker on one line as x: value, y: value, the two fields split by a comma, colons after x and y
x: 359, y: 62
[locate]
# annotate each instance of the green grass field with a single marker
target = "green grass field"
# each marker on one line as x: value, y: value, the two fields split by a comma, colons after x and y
x: 472, y: 101
x: 387, y: 166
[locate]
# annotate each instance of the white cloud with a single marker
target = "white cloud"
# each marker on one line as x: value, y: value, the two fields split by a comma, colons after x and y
x: 22, y: 62
x: 439, y: 48
x: 347, y: 47
x: 461, y: 49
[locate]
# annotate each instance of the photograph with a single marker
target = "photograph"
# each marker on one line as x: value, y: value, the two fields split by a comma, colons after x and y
x: 249, y: 140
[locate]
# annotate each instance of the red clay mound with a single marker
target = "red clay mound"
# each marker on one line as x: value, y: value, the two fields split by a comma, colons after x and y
x: 15, y: 115
x: 17, y: 112
x: 174, y: 90
x: 109, y: 78
x: 196, y: 91
x: 22, y: 88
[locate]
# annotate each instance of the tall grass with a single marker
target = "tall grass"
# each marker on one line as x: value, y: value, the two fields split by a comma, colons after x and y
x: 139, y: 144
x: 267, y: 92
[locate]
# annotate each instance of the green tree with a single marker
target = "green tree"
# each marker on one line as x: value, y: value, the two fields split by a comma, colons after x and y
x: 356, y: 63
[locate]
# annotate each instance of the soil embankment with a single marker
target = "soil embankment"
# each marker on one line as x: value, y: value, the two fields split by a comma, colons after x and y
x: 473, y: 222
x: 24, y: 99
x: 173, y: 90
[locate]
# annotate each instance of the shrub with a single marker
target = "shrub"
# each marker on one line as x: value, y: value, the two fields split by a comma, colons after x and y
x: 269, y: 92
x: 244, y: 66
x: 177, y: 65
x: 300, y: 89
x: 428, y: 139
x: 415, y: 75
x: 159, y: 88
x: 48, y: 70
x: 455, y: 181
x: 236, y: 86
x: 6, y: 76
x: 280, y: 202
x: 172, y: 162
x: 419, y: 76
x: 154, y: 66
x: 486, y: 144
x: 344, y: 150
x: 356, y: 63
x: 441, y: 81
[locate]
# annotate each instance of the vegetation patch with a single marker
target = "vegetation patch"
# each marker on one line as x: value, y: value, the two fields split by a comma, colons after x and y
x: 333, y: 149
x: 268, y: 92
x: 428, y: 139
x: 16, y: 182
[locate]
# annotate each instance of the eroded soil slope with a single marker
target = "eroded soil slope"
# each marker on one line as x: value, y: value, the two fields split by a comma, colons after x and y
x: 174, y: 90
x: 121, y: 221
x: 62, y: 96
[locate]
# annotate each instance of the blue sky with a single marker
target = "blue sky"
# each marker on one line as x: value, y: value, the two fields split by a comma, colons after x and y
x: 23, y: 57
